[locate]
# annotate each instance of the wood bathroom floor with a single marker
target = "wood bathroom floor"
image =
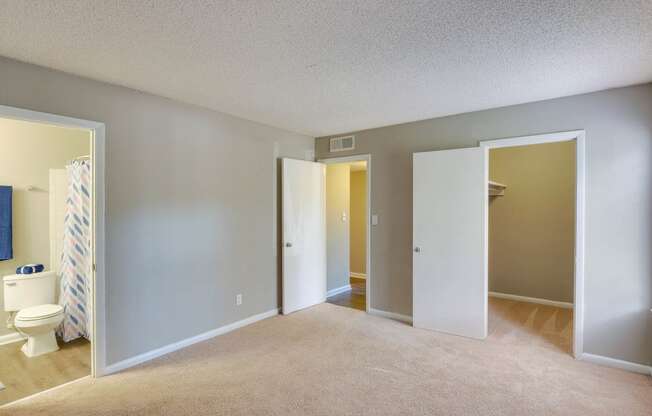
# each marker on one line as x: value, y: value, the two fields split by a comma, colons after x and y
x: 24, y: 376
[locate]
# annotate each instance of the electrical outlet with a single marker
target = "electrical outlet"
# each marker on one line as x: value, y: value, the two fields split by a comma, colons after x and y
x: 238, y: 299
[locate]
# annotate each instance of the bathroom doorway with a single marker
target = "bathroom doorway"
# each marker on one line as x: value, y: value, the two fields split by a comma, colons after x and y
x: 51, y: 243
x: 347, y: 231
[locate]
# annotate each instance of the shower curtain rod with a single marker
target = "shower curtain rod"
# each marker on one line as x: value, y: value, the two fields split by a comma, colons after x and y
x: 85, y: 157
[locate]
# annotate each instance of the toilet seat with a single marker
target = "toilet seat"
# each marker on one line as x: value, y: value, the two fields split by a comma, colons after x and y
x: 39, y: 312
x: 38, y: 323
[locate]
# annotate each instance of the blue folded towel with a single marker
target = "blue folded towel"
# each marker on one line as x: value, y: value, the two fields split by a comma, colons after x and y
x: 6, y: 247
x: 30, y: 268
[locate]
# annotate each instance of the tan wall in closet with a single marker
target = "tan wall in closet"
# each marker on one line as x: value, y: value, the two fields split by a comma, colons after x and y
x: 532, y: 227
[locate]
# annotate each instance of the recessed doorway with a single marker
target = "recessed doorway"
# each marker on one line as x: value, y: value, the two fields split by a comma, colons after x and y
x: 451, y: 198
x: 532, y: 244
x: 51, y: 251
x: 347, y: 235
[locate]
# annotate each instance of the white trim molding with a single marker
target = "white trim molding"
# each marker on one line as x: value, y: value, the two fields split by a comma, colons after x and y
x: 391, y: 315
x: 338, y: 290
x: 562, y: 136
x: 150, y: 355
x: 358, y: 275
x: 616, y: 363
x: 579, y: 136
x: 11, y: 338
x: 566, y: 305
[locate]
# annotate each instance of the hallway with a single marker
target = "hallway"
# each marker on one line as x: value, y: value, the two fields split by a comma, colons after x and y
x: 355, y: 298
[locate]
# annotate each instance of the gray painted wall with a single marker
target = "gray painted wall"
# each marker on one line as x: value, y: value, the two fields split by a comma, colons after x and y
x: 191, y: 206
x: 618, y: 126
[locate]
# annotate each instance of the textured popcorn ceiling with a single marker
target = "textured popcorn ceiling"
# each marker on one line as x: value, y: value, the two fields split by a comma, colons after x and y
x: 326, y: 67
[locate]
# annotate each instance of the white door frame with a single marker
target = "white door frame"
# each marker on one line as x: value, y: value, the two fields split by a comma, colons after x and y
x: 98, y: 306
x: 359, y: 158
x: 579, y: 137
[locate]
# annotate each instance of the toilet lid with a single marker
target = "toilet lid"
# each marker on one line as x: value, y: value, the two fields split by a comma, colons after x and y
x: 39, y: 312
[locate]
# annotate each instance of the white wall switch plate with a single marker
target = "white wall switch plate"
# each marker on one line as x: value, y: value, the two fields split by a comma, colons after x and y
x: 374, y: 219
x: 238, y: 299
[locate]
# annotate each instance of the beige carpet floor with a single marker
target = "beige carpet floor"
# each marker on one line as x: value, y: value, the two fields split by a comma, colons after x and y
x: 331, y: 360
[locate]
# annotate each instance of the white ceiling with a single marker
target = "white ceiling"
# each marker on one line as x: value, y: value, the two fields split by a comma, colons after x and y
x: 326, y: 67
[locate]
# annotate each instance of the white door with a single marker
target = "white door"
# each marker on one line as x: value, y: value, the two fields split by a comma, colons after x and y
x: 304, y: 234
x: 449, y: 263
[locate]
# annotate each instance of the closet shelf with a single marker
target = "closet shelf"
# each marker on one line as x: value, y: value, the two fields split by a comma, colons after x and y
x: 496, y: 189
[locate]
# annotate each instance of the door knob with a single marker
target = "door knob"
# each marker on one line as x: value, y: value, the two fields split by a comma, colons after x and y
x: 288, y: 244
x: 417, y: 249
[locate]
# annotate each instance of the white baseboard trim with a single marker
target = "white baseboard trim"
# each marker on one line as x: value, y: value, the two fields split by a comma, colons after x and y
x: 358, y: 275
x: 9, y: 338
x: 139, y: 359
x: 391, y: 315
x: 338, y: 290
x: 616, y: 363
x: 566, y: 305
x: 43, y: 392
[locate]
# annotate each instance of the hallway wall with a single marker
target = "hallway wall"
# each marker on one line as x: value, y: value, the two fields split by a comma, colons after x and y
x: 359, y: 221
x: 337, y: 228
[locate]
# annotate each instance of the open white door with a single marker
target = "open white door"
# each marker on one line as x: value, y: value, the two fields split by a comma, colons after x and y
x: 304, y: 234
x: 449, y: 264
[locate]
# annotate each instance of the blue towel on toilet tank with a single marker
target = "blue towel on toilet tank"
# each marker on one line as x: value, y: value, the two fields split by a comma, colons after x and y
x: 6, y: 247
x: 30, y: 268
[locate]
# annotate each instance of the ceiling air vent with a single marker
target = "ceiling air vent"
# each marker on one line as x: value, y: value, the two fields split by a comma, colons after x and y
x: 340, y: 144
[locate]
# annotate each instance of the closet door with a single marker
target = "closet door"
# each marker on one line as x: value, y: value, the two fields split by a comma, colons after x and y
x: 449, y: 263
x: 304, y: 234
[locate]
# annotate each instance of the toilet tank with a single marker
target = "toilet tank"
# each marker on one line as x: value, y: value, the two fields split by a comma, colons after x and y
x: 25, y: 290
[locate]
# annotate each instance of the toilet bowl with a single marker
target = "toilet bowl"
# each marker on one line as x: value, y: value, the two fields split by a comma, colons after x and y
x: 38, y: 323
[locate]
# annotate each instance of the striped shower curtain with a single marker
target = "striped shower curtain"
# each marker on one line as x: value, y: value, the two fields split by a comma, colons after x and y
x: 76, y: 258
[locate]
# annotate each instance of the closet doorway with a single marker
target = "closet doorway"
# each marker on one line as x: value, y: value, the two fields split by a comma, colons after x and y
x: 348, y: 231
x: 451, y: 203
x: 531, y: 244
x: 52, y: 252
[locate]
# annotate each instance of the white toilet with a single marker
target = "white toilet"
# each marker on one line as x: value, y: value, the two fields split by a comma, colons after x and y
x: 31, y: 296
